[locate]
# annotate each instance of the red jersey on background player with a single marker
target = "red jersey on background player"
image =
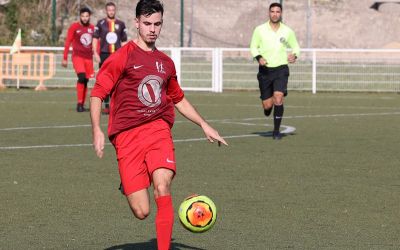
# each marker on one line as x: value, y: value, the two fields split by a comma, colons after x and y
x: 144, y: 91
x: 80, y: 36
x: 111, y: 33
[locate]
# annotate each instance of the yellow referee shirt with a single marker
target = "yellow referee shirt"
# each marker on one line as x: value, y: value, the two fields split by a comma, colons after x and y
x: 272, y: 46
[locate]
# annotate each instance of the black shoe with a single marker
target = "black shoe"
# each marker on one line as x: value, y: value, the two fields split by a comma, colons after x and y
x: 80, y: 108
x: 276, y: 135
x: 121, y: 188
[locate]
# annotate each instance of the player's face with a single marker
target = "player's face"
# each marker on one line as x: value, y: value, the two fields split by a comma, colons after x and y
x: 149, y: 27
x: 110, y: 10
x: 275, y: 14
x: 85, y: 18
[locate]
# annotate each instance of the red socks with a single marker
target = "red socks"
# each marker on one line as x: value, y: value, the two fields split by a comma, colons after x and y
x: 84, y: 93
x: 81, y: 92
x: 164, y: 222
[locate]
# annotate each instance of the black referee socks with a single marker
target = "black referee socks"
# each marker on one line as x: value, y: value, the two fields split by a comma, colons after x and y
x: 278, y: 115
x: 267, y: 112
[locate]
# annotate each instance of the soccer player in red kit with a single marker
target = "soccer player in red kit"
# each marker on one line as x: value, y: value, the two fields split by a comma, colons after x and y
x: 144, y: 90
x: 80, y: 36
x: 112, y: 35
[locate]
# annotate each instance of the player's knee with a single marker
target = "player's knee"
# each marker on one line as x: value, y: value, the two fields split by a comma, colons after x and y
x: 140, y: 212
x: 81, y: 77
x: 278, y: 100
x: 162, y: 189
x: 267, y: 105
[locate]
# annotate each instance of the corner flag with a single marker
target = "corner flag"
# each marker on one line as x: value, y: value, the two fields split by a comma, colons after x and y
x: 16, y: 47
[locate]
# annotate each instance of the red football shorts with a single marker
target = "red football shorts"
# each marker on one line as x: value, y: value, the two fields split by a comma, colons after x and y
x: 142, y: 150
x: 83, y: 65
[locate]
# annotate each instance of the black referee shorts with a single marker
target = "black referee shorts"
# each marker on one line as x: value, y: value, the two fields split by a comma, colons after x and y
x: 272, y: 79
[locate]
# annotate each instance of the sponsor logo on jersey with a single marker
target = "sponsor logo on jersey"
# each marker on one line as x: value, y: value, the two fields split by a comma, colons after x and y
x: 111, y: 37
x: 149, y: 91
x: 86, y: 39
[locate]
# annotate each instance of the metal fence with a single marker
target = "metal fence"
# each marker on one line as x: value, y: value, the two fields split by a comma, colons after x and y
x: 219, y: 69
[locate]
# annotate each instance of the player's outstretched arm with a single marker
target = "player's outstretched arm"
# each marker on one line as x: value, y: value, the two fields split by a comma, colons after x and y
x: 98, y: 135
x: 95, y: 44
x: 186, y: 109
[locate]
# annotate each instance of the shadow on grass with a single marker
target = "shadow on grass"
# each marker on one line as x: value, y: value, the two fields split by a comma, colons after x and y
x: 150, y: 245
x: 269, y: 134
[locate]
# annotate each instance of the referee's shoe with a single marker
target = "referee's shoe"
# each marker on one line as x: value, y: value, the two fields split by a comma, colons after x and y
x: 276, y: 135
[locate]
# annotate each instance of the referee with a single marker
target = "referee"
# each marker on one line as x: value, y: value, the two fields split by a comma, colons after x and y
x: 269, y: 46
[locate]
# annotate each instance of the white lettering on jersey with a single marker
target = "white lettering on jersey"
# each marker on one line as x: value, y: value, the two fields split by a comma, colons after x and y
x: 160, y: 67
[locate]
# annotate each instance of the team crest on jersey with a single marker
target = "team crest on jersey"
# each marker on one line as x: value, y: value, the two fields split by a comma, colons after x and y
x: 116, y: 26
x: 149, y: 91
x: 86, y: 39
x: 284, y: 42
x: 90, y: 30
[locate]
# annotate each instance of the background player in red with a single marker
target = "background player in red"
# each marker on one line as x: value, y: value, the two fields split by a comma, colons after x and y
x: 144, y: 90
x: 111, y: 33
x: 80, y: 36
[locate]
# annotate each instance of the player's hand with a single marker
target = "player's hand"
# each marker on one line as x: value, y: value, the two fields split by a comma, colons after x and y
x: 96, y: 57
x: 212, y: 134
x: 292, y: 58
x: 64, y: 63
x: 262, y: 62
x: 98, y: 142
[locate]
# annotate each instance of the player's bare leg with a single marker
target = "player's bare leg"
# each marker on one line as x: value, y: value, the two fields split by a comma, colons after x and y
x: 162, y: 179
x: 268, y: 105
x: 139, y: 203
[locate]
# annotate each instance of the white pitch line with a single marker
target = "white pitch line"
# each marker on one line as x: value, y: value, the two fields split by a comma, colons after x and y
x: 286, y: 129
x: 46, y: 127
x: 216, y: 120
x: 46, y: 146
x: 108, y: 144
x: 325, y: 116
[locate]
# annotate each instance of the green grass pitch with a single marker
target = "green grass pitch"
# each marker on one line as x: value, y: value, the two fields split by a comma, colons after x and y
x: 333, y: 182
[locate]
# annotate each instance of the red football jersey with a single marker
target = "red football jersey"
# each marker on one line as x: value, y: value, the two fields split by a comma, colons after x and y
x: 143, y: 87
x: 81, y: 38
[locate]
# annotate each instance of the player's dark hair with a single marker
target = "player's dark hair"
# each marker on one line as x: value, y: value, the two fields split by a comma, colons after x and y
x: 275, y: 5
x: 110, y: 4
x: 148, y: 7
x: 85, y: 9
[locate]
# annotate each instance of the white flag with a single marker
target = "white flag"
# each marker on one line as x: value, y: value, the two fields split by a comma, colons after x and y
x: 16, y: 47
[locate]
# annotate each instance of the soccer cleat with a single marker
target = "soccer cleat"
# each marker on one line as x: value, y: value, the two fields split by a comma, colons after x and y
x: 80, y: 108
x: 105, y: 111
x: 276, y: 135
x: 121, y: 188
